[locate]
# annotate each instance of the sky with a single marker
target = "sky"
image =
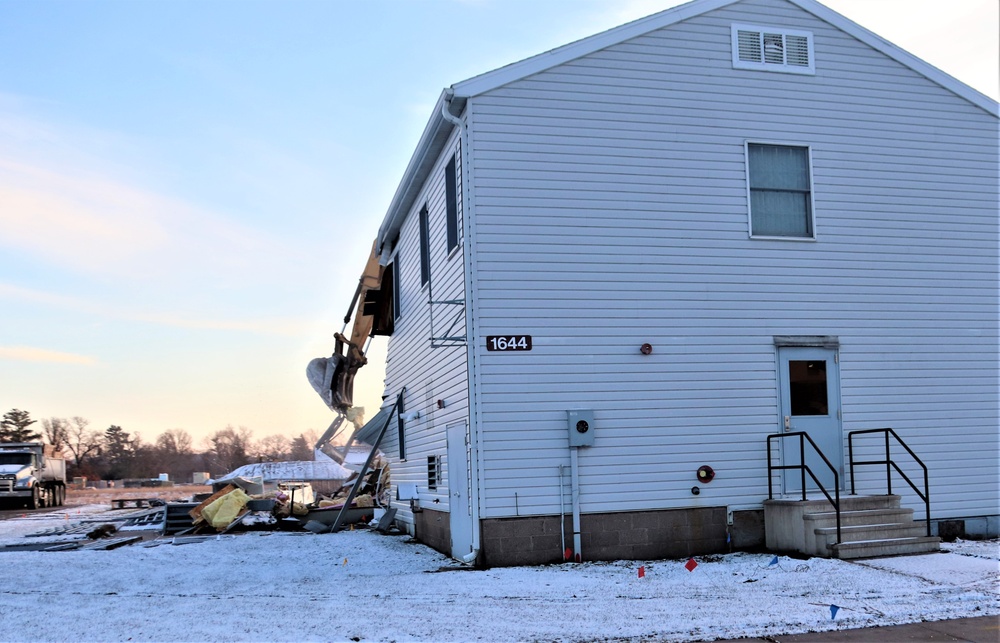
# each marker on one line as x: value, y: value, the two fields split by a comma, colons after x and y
x: 189, y: 189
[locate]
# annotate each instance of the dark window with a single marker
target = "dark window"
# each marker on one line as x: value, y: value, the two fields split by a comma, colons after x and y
x: 397, y: 311
x: 379, y: 303
x: 451, y: 203
x: 432, y: 472
x: 779, y: 191
x: 425, y: 253
x: 807, y: 386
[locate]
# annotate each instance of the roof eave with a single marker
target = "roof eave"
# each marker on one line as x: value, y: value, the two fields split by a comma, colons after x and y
x: 429, y: 147
x: 516, y: 71
x: 900, y: 55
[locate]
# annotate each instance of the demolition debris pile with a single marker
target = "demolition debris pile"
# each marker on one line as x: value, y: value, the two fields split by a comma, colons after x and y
x: 260, y: 498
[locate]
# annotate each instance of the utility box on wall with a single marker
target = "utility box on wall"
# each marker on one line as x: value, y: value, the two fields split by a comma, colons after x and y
x: 581, y: 428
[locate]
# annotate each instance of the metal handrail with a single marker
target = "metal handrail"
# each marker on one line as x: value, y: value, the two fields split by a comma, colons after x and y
x: 804, y: 468
x: 889, y: 465
x: 397, y: 405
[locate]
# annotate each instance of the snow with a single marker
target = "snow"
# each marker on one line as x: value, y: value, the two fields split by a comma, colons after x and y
x: 13, y: 531
x: 360, y: 585
x: 294, y: 470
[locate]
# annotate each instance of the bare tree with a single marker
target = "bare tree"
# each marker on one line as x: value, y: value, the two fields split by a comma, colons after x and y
x: 174, y: 442
x: 273, y: 448
x: 173, y: 453
x: 81, y: 442
x: 56, y: 432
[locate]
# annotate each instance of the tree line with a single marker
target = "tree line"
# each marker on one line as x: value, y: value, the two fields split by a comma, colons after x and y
x: 115, y: 454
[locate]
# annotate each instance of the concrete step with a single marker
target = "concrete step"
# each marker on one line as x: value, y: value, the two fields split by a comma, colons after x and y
x: 885, y: 547
x: 875, y: 532
x: 826, y: 537
x: 790, y: 524
x: 819, y: 504
x: 860, y: 517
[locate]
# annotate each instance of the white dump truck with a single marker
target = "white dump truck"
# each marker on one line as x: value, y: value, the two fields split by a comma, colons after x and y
x: 31, y: 474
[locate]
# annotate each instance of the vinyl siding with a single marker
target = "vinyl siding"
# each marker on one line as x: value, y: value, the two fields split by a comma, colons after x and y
x: 611, y: 210
x: 428, y: 374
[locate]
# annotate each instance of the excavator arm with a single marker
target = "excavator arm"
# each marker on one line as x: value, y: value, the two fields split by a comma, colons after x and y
x: 333, y: 377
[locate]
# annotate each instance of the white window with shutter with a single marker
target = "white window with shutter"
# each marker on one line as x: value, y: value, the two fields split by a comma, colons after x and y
x: 772, y: 49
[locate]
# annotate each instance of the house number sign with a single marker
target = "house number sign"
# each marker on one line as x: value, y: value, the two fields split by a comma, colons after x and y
x: 508, y: 343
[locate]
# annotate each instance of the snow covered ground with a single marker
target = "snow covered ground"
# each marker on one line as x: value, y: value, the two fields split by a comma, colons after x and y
x: 362, y: 586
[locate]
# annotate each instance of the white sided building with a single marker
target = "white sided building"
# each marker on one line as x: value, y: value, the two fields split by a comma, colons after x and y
x: 617, y: 267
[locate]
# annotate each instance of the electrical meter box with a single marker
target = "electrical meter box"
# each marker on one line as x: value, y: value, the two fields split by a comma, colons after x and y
x: 581, y: 428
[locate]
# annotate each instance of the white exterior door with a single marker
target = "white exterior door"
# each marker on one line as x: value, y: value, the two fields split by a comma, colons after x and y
x: 809, y: 378
x: 458, y: 485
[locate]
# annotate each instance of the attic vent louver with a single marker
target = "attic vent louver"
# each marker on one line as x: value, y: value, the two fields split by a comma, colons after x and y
x: 774, y: 49
x: 770, y: 49
x: 797, y: 51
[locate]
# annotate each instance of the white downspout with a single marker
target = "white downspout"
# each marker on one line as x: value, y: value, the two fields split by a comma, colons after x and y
x: 575, y: 482
x: 562, y: 509
x: 473, y: 370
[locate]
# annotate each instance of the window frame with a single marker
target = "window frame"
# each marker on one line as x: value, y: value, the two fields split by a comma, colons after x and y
x: 423, y: 222
x: 397, y: 298
x: 812, y: 192
x: 784, y: 67
x: 452, y: 217
x: 377, y: 301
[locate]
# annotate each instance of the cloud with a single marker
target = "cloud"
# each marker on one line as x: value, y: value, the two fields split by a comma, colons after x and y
x: 83, y: 220
x: 73, y: 198
x: 289, y: 327
x: 31, y: 354
x: 78, y: 220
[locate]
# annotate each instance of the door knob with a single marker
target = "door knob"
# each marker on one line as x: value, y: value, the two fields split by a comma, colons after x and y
x: 788, y: 423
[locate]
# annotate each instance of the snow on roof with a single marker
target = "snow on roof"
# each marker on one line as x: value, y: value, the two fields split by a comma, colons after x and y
x: 295, y: 470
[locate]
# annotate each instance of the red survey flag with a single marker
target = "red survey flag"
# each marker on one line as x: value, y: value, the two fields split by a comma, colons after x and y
x: 691, y: 564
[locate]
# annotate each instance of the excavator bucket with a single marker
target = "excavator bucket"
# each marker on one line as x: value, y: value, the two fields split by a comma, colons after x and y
x: 333, y: 377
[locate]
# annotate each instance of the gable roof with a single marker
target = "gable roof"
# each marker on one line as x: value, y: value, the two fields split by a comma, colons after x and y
x: 499, y: 77
x: 453, y: 99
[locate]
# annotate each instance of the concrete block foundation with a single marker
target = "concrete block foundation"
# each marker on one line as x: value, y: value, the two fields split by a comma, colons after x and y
x: 433, y: 528
x: 747, y: 530
x: 640, y: 535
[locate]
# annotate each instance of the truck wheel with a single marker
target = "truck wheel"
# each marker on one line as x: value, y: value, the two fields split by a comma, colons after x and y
x: 36, y: 498
x: 60, y: 495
